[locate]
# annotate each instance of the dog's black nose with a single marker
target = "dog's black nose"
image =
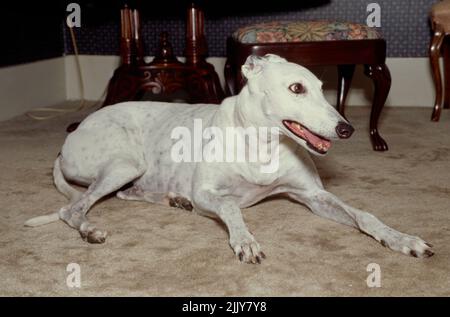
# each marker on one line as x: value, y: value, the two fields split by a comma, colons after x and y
x: 344, y: 130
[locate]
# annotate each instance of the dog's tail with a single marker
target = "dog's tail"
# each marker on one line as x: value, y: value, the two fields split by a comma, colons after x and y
x: 42, y: 220
x: 64, y: 187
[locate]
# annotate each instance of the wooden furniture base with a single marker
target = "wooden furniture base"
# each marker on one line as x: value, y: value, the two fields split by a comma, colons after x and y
x: 165, y: 75
x: 344, y: 54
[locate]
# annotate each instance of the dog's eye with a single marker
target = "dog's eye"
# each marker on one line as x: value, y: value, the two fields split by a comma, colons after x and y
x: 297, y: 88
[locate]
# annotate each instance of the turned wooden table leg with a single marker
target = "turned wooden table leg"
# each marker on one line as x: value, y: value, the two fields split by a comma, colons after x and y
x: 123, y: 86
x: 435, y: 53
x: 345, y: 76
x: 382, y: 81
x: 196, y: 51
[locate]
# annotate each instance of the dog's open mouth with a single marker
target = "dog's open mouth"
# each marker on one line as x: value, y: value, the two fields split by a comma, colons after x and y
x: 316, y: 142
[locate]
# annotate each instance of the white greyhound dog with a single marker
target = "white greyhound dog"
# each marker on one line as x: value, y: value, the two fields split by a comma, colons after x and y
x: 131, y: 143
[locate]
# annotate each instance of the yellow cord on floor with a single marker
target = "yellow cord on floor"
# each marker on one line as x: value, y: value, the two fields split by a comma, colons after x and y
x: 58, y: 111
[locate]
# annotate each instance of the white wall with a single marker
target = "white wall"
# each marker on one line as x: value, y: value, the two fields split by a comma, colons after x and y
x: 411, y: 80
x: 96, y: 72
x: 49, y: 82
x: 27, y: 86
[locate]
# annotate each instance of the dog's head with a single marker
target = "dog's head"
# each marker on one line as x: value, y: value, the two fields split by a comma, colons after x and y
x: 290, y: 97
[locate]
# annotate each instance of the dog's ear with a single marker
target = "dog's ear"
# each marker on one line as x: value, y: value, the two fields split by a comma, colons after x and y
x: 272, y: 58
x: 254, y: 64
x: 252, y: 67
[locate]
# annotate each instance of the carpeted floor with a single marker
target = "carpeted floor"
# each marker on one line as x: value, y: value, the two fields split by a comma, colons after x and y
x: 161, y: 251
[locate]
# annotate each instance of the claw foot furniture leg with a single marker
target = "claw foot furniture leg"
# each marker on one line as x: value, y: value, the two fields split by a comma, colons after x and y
x: 382, y: 82
x: 345, y: 76
x: 435, y: 52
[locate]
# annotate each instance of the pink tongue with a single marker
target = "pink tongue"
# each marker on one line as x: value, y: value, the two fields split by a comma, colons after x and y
x: 315, y: 140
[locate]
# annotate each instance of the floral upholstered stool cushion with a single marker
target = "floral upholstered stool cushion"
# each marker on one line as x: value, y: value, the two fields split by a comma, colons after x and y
x: 304, y: 31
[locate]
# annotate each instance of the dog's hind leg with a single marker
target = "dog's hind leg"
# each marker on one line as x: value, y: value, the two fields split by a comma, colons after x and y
x: 111, y: 177
x: 329, y: 206
x: 135, y: 193
x: 168, y: 199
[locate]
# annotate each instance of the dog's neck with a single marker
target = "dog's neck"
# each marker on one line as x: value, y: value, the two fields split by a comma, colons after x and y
x: 237, y: 111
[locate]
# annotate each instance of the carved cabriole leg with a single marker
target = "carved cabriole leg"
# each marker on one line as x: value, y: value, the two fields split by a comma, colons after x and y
x: 345, y: 75
x: 446, y: 54
x: 203, y: 85
x: 214, y: 88
x: 382, y: 81
x: 435, y: 53
x: 231, y: 69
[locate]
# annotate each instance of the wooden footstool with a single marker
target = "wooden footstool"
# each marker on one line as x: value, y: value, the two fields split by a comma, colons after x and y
x: 317, y: 43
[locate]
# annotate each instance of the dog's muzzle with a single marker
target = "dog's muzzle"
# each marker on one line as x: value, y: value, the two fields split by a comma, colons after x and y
x: 344, y: 130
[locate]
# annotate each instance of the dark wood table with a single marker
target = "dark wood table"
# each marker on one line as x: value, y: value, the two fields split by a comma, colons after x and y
x: 164, y: 78
x: 165, y: 75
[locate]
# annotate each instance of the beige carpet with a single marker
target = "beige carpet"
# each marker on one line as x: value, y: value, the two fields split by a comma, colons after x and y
x: 159, y: 251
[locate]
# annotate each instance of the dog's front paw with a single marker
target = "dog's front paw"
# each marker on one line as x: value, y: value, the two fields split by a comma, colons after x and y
x: 247, y: 249
x: 410, y: 245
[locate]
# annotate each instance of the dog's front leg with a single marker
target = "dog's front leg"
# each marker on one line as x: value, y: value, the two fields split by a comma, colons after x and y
x: 227, y: 210
x: 329, y: 206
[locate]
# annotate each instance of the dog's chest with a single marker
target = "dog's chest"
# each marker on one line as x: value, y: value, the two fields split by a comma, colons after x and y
x: 249, y: 194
